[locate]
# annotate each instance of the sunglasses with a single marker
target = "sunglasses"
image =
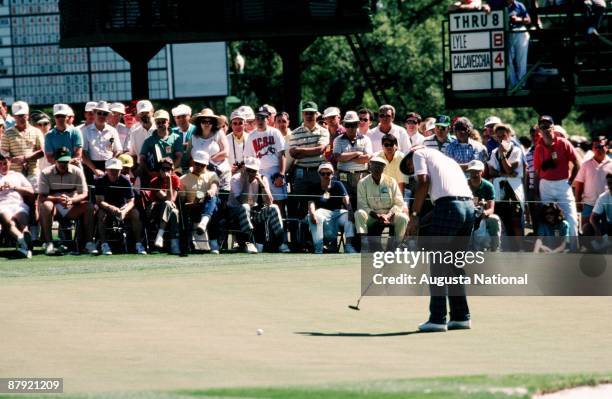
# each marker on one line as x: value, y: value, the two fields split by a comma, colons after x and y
x: 460, y: 130
x: 350, y: 125
x: 60, y: 116
x: 237, y: 123
x: 410, y: 122
x: 384, y: 115
x: 364, y: 120
x: 100, y: 113
x: 251, y: 171
x: 261, y: 117
x: 206, y: 122
x: 388, y: 145
x: 544, y: 126
x: 166, y: 169
x: 43, y: 124
x: 325, y: 174
x: 308, y: 113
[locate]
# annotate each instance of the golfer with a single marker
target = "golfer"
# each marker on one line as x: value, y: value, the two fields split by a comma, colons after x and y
x: 452, y: 217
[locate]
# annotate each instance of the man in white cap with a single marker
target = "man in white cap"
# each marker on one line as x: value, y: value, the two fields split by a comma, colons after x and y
x: 272, y: 111
x: 249, y: 116
x: 489, y: 223
x: 140, y: 131
x: 23, y: 143
x: 100, y: 143
x: 380, y: 202
x: 185, y: 129
x: 115, y: 200
x: 199, y: 189
x: 251, y: 204
x: 63, y: 136
x: 329, y: 210
x: 386, y: 115
x: 117, y: 110
x: 352, y: 152
x: 331, y: 116
x: 236, y: 140
x: 161, y: 144
x: 69, y: 115
x: 89, y: 114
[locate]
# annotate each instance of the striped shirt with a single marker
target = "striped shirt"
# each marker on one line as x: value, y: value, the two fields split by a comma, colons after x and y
x: 343, y: 144
x: 530, y: 168
x: 16, y: 143
x: 304, y: 137
x: 432, y: 142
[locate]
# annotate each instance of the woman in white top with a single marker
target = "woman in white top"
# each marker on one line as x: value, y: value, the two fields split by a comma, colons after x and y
x: 208, y: 138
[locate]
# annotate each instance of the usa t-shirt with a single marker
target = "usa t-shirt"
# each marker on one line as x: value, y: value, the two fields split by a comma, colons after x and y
x: 265, y: 145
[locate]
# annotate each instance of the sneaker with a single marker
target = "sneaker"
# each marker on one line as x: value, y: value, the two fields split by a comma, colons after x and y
x: 200, y: 227
x: 250, y: 248
x: 90, y: 247
x: 284, y: 248
x: 105, y: 248
x: 49, y: 248
x: 159, y: 240
x: 27, y: 237
x: 24, y: 250
x: 349, y: 249
x: 214, y: 247
x: 459, y: 325
x: 175, y: 248
x: 318, y: 249
x: 140, y: 249
x: 432, y: 327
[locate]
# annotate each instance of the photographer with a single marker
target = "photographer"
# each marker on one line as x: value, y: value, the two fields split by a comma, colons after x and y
x: 236, y: 141
x: 487, y: 221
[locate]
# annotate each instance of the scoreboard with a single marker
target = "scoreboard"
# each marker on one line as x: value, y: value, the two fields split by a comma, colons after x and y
x: 33, y: 67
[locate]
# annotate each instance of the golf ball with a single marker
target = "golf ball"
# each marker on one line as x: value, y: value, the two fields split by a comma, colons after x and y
x: 259, y: 331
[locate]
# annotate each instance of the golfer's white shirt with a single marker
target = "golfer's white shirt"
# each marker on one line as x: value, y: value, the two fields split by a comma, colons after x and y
x: 446, y: 178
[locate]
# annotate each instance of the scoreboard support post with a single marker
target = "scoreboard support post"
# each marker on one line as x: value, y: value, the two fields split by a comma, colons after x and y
x: 138, y: 55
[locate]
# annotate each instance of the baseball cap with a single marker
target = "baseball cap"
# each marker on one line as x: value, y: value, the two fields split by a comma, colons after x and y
x: 492, y: 120
x: 102, y: 106
x: 90, y: 106
x: 62, y: 154
x: 43, y: 119
x: 546, y: 118
x: 331, y: 111
x: 442, y: 120
x: 263, y: 111
x: 237, y: 115
x: 200, y: 157
x: 166, y: 160
x: 161, y: 114
x: 251, y: 163
x: 117, y: 107
x: 181, y: 109
x: 351, y: 117
x: 325, y: 165
x: 113, y: 163
x: 271, y: 109
x: 144, y: 106
x: 247, y: 112
x: 310, y: 106
x: 476, y: 165
x: 61, y: 109
x: 430, y: 125
x: 379, y: 159
x: 69, y: 110
x: 20, y: 108
x: 126, y: 160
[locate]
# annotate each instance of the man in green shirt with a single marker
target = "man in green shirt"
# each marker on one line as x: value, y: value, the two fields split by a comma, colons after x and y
x: 487, y: 231
x: 161, y: 144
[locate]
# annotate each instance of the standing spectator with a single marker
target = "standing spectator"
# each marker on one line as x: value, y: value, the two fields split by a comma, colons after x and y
x: 100, y: 143
x: 43, y: 123
x: 15, y: 192
x: 590, y: 182
x: 63, y: 136
x: 530, y: 189
x: 386, y: 115
x: 411, y: 123
x: 184, y: 129
x: 553, y: 230
x: 164, y: 191
x: 556, y: 166
x: 365, y: 121
x: 199, y: 189
x: 209, y: 138
x: 63, y: 189
x: 380, y: 202
x: 115, y: 200
x: 141, y: 131
x: 160, y: 145
x: 236, y: 141
x: 429, y: 127
x: 464, y: 149
x: 272, y: 114
x: 329, y: 210
x: 249, y: 117
x: 519, y: 40
x: 281, y: 122
x: 23, y: 144
x: 331, y: 116
x: 89, y: 115
x: 487, y: 133
x: 352, y: 151
x: 452, y: 218
x: 70, y: 116
x: 484, y: 199
x: 603, y: 210
x: 117, y: 110
x: 441, y: 138
x: 251, y: 204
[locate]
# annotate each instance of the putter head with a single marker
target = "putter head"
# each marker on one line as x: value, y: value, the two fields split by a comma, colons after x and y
x: 353, y: 307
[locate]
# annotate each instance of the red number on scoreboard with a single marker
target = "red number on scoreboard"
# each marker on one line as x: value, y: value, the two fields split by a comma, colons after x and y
x: 499, y: 59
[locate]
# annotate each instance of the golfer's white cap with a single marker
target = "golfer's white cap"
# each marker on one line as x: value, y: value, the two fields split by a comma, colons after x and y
x: 430, y: 125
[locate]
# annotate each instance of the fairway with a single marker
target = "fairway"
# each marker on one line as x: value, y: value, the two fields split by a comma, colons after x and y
x: 162, y: 323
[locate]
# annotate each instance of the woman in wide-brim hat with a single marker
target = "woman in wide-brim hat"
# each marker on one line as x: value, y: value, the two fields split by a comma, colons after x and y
x: 206, y: 113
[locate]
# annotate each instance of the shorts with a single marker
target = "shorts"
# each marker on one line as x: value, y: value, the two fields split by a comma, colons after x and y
x: 14, y: 209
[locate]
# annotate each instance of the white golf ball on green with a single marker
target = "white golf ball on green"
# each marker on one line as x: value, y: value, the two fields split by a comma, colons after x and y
x: 259, y: 331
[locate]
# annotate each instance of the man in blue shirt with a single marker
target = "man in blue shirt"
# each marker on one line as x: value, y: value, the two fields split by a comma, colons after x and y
x: 63, y: 136
x: 519, y: 40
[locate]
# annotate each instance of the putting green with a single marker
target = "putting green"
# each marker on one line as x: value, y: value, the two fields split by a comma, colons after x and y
x: 162, y: 323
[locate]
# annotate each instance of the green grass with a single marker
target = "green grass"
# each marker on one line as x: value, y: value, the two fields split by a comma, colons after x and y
x: 461, y: 387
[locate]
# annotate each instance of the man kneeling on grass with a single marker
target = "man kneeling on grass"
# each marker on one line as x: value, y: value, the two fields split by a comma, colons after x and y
x: 14, y: 190
x: 115, y: 199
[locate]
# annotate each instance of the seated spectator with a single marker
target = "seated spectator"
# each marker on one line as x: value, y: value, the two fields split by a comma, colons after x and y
x: 329, y: 210
x: 62, y: 188
x: 162, y: 208
x: 553, y: 230
x: 199, y: 189
x: 464, y: 149
x: 115, y: 200
x: 601, y: 217
x: 394, y: 158
x: 484, y: 202
x: 15, y: 191
x: 380, y: 202
x: 251, y: 204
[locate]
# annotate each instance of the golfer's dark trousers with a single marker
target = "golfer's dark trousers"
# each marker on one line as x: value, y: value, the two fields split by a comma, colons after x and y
x: 452, y: 223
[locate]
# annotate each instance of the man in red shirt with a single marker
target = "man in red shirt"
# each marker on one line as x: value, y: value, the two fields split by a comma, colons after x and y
x: 164, y: 190
x: 552, y: 160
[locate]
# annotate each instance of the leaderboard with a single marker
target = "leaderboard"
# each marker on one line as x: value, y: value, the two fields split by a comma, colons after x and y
x: 33, y: 67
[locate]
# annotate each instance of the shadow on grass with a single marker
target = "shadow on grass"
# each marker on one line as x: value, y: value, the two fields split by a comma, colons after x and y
x: 356, y: 334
